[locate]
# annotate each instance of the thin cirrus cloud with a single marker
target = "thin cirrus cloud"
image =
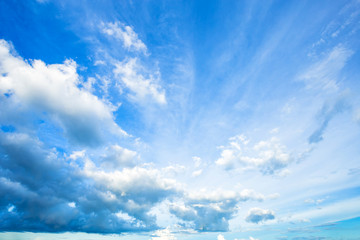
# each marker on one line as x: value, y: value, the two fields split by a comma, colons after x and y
x: 324, y: 74
x: 142, y: 87
x: 125, y: 34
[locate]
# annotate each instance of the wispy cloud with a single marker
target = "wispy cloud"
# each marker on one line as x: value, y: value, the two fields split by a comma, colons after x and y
x: 125, y: 34
x: 142, y: 88
x: 324, y: 74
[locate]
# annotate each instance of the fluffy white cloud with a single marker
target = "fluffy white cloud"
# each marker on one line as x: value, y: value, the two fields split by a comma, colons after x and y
x: 125, y: 34
x: 268, y: 156
x: 53, y: 90
x: 256, y: 215
x: 142, y: 88
x: 116, y: 157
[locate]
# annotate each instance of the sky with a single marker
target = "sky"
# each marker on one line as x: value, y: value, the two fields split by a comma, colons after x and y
x: 179, y: 120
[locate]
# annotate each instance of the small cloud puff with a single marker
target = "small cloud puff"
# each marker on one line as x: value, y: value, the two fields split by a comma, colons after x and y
x: 256, y: 215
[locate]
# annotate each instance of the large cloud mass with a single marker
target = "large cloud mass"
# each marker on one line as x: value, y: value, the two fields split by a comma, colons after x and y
x: 44, y: 192
x: 32, y: 87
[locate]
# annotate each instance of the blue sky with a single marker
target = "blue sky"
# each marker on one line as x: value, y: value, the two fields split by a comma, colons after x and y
x: 174, y: 120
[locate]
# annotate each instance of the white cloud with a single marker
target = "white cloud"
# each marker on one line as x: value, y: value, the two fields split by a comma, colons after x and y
x: 53, y: 89
x: 77, y: 154
x: 197, y: 173
x: 164, y: 234
x: 323, y: 74
x: 125, y: 34
x: 142, y: 88
x: 142, y: 186
x: 117, y: 157
x: 268, y: 156
x: 72, y: 204
x: 211, y: 210
x: 220, y: 237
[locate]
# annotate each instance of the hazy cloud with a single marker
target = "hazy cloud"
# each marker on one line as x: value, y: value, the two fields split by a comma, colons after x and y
x: 325, y: 115
x: 323, y: 75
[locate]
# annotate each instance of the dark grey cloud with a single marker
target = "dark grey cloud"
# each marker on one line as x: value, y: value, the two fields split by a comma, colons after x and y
x: 256, y: 215
x: 42, y: 192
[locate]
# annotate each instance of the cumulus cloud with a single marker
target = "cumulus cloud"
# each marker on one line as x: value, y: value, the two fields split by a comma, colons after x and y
x: 211, y: 211
x: 256, y: 215
x: 142, y: 87
x: 268, y: 156
x: 116, y: 157
x: 125, y: 34
x: 51, y: 91
x: 50, y: 194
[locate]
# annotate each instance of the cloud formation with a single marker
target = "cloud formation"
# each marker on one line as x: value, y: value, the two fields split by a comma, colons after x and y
x: 323, y: 75
x: 269, y: 156
x: 142, y: 88
x: 31, y: 88
x: 256, y: 215
x: 211, y: 211
x: 125, y: 34
x: 49, y: 193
